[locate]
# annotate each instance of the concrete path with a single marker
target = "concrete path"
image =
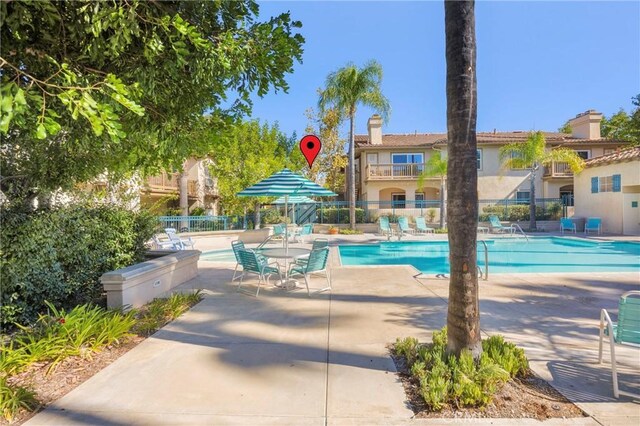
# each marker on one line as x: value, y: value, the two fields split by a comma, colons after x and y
x: 287, y: 359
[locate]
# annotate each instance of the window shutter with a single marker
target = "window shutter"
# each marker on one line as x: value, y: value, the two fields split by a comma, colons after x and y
x: 594, y: 185
x: 617, y: 184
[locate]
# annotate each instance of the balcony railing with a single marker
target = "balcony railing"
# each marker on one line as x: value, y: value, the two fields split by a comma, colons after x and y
x: 558, y: 169
x: 393, y: 171
x: 167, y: 184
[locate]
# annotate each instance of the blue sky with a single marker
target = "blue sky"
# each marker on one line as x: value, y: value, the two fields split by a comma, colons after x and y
x: 539, y: 63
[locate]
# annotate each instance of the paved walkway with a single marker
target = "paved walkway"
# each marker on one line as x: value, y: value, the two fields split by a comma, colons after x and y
x: 286, y: 359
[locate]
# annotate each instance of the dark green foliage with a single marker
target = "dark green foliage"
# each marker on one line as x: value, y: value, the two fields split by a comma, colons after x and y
x: 340, y: 215
x: 520, y: 213
x: 463, y: 381
x: 59, y: 255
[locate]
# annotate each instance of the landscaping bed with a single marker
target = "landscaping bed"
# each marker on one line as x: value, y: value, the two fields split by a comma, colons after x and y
x: 501, y: 385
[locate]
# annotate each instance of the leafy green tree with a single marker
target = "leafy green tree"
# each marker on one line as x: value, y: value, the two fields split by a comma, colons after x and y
x: 566, y: 128
x: 121, y: 85
x: 463, y: 313
x: 331, y: 161
x: 533, y: 154
x: 436, y: 166
x: 244, y: 155
x: 623, y: 126
x: 344, y: 90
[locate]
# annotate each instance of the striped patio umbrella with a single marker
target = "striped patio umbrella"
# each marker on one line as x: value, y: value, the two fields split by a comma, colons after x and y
x: 288, y: 184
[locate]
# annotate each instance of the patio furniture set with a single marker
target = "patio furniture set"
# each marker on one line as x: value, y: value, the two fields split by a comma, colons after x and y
x: 298, y: 262
x: 173, y: 241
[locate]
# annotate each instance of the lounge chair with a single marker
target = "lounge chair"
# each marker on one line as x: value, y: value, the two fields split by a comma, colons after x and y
x: 495, y: 225
x: 317, y: 264
x: 421, y: 226
x: 253, y: 263
x: 278, y: 231
x: 625, y: 332
x: 385, y: 228
x: 306, y: 230
x: 403, y: 224
x: 237, y: 246
x: 163, y: 244
x: 567, y: 224
x: 179, y: 243
x: 593, y: 224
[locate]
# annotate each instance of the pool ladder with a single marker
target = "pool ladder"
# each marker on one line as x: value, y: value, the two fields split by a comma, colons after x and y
x: 519, y: 228
x: 485, y: 275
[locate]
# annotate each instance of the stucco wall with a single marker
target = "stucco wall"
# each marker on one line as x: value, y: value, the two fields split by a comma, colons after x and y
x: 606, y: 205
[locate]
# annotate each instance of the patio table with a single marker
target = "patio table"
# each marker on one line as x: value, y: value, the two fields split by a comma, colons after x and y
x: 286, y: 254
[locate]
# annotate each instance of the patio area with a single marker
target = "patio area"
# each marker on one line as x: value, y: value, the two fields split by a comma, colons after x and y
x: 285, y: 358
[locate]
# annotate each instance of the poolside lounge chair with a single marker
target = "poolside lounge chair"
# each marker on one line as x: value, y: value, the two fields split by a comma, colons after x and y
x: 317, y: 264
x: 593, y: 224
x: 303, y: 232
x: 253, y: 263
x: 567, y: 224
x: 421, y: 226
x: 403, y: 224
x: 495, y: 225
x: 179, y: 243
x: 278, y: 231
x: 385, y: 228
x: 625, y: 332
x: 163, y: 244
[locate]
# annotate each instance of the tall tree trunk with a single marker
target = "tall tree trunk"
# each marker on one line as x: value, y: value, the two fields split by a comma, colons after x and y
x: 443, y: 205
x: 532, y: 200
x: 183, y: 188
x: 352, y: 173
x: 256, y: 215
x: 463, y: 316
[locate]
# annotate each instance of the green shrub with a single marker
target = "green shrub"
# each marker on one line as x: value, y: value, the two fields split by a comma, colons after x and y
x: 340, y: 215
x: 161, y: 311
x: 59, y: 255
x: 463, y: 381
x: 520, y: 212
x: 350, y: 231
x: 15, y: 398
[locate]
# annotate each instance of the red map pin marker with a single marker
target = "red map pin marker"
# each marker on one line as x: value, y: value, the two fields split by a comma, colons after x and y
x: 310, y: 146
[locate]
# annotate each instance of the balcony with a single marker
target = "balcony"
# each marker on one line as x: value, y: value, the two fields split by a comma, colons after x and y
x: 169, y: 184
x: 393, y: 171
x: 558, y: 170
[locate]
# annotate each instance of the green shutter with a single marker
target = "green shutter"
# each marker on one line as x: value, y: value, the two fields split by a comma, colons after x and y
x: 617, y: 183
x: 594, y: 185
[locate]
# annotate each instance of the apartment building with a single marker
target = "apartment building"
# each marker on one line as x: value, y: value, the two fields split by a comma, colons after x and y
x: 388, y: 165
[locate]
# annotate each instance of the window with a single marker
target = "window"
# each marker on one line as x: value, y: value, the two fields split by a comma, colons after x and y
x: 407, y: 158
x: 609, y: 151
x: 522, y: 197
x: 420, y: 199
x: 606, y: 184
x: 516, y: 155
x: 479, y: 158
x: 372, y: 158
x: 584, y: 154
x: 398, y: 200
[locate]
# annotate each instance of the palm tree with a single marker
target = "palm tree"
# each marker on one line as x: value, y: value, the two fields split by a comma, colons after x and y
x: 345, y: 89
x: 463, y: 313
x: 531, y: 155
x: 436, y: 166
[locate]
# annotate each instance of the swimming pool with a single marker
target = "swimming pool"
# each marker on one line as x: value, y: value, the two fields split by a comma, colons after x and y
x: 540, y: 254
x: 218, y: 256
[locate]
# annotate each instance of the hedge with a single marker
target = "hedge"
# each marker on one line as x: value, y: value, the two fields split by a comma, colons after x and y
x: 520, y: 212
x: 58, y: 255
x: 340, y: 215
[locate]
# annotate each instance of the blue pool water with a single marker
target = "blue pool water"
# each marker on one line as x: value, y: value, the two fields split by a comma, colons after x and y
x: 218, y: 256
x: 547, y: 254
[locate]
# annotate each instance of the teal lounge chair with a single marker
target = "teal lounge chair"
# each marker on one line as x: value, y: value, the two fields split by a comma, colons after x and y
x: 593, y: 224
x: 385, y: 228
x: 253, y: 263
x: 421, y: 226
x: 567, y: 224
x: 317, y: 264
x: 495, y: 225
x: 625, y: 332
x: 403, y: 224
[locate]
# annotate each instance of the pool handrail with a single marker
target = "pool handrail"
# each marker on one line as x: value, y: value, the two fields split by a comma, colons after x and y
x: 519, y: 228
x: 485, y: 277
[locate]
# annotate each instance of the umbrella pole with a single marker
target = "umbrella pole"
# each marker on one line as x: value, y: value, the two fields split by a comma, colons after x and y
x: 286, y: 225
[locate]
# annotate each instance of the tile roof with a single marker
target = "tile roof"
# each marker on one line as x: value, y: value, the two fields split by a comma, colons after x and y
x: 485, y: 138
x: 628, y: 154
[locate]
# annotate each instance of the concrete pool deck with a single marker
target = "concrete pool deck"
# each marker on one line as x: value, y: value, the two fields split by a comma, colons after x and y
x: 284, y: 358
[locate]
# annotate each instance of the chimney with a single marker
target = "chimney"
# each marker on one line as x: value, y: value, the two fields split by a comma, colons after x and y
x: 586, y: 125
x: 374, y: 127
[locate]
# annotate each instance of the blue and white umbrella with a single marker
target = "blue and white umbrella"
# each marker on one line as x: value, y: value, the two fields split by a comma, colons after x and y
x: 288, y: 184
